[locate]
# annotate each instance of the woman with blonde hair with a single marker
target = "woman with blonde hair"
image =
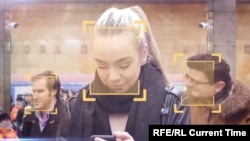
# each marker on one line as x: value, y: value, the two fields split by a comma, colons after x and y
x: 128, y: 91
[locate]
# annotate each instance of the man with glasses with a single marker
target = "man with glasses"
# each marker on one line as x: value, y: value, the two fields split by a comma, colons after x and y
x: 211, y: 94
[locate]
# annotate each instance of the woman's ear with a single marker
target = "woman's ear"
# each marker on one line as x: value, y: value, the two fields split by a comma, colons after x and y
x: 144, y: 54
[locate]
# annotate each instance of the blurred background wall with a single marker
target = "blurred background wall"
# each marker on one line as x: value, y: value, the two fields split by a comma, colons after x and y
x: 50, y: 36
x: 243, y: 43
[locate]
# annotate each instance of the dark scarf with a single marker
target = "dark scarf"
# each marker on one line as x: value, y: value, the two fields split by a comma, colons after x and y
x: 90, y: 118
x: 114, y: 103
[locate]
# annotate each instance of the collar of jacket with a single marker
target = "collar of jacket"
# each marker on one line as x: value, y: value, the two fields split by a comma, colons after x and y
x: 54, y: 116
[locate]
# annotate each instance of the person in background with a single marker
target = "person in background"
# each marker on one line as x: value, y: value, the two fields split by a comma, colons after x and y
x: 28, y: 97
x: 19, y: 104
x: 27, y: 106
x: 45, y: 121
x: 6, y: 130
x: 18, y: 123
x: 210, y: 87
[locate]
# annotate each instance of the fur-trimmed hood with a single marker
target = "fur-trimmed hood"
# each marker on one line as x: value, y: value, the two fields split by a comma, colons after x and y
x: 234, y: 109
x: 236, y: 103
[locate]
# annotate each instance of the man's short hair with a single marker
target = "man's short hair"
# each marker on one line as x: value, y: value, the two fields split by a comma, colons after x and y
x: 217, y: 71
x: 53, y: 81
x: 19, y: 98
x: 28, y: 94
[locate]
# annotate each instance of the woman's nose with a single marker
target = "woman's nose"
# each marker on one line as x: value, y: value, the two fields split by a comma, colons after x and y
x: 114, y: 75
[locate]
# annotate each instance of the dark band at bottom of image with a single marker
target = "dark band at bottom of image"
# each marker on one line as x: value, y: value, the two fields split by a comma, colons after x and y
x: 164, y: 131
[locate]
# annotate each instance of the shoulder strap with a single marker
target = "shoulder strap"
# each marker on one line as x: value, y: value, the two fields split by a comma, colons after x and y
x: 170, y: 89
x: 71, y: 101
x: 69, y: 105
x: 170, y: 92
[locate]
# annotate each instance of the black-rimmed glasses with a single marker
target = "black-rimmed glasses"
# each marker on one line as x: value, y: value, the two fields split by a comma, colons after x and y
x: 193, y: 81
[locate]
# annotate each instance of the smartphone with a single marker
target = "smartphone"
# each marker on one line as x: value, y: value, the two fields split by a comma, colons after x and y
x: 105, y: 137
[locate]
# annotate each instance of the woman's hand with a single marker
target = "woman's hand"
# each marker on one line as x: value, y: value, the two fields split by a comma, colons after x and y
x: 120, y: 136
x: 123, y: 136
x: 99, y: 139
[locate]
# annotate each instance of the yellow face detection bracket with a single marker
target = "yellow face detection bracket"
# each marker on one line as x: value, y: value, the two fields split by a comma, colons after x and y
x: 92, y: 23
x: 144, y: 96
x: 28, y: 112
x: 176, y: 109
x: 114, y: 93
x: 217, y: 111
x: 176, y: 56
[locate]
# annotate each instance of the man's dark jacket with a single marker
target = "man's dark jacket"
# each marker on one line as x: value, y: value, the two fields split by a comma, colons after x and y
x: 53, y: 128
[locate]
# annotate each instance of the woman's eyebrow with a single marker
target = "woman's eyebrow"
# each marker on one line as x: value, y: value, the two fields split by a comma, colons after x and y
x: 119, y: 60
x: 101, y: 61
x: 124, y: 59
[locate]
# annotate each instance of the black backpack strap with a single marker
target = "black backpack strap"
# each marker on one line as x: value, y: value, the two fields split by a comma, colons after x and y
x: 170, y: 89
x: 71, y: 101
x: 166, y: 109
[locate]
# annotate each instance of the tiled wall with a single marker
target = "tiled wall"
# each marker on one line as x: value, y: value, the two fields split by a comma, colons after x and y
x: 243, y: 39
x: 53, y: 26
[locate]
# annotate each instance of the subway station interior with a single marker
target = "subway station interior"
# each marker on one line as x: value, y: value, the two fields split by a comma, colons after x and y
x: 38, y: 35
